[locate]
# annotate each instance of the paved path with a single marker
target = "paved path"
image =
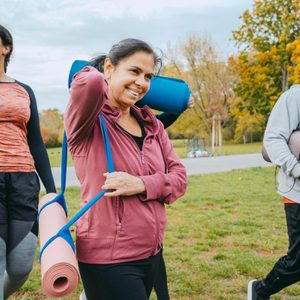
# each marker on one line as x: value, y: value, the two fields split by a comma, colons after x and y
x: 223, y: 163
x: 200, y: 165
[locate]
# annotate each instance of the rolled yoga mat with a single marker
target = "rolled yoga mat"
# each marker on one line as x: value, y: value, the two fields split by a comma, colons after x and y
x: 166, y: 94
x: 60, y: 273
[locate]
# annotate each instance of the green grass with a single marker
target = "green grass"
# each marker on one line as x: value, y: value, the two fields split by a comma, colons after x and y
x: 55, y: 157
x: 180, y: 148
x: 226, y: 230
x: 229, y: 149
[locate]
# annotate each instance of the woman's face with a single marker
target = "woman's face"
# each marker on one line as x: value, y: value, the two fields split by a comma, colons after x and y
x: 130, y: 80
x: 4, y: 50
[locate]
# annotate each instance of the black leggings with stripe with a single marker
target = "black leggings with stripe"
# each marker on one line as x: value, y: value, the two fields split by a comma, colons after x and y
x: 18, y: 229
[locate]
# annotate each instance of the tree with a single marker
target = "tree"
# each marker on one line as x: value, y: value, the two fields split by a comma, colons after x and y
x: 197, y: 62
x: 271, y: 26
x: 294, y: 70
x: 266, y: 61
x: 257, y: 81
x: 248, y: 123
x: 51, y: 122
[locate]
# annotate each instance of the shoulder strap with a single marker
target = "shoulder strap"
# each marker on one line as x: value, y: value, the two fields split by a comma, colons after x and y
x: 64, y: 231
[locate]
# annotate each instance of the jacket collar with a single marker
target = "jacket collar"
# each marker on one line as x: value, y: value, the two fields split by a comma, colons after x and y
x: 144, y: 115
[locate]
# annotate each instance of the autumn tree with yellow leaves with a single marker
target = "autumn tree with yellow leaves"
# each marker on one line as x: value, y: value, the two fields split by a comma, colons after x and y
x: 52, y: 127
x: 268, y: 61
x: 294, y: 69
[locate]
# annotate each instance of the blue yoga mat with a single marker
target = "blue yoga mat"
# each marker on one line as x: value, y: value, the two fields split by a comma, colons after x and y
x: 166, y: 94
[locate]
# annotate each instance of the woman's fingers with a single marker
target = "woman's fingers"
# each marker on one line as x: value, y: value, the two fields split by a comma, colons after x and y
x: 114, y: 181
x: 113, y: 174
x: 123, y: 184
x: 191, y: 102
x: 113, y: 194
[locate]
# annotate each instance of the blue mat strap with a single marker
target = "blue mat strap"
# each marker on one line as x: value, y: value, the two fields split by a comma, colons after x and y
x: 47, y: 244
x: 83, y: 210
x: 66, y: 235
x: 109, y: 158
x: 64, y: 159
x: 64, y: 232
x: 60, y: 199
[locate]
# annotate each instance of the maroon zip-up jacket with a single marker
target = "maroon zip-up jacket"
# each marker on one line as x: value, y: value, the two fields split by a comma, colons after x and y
x: 123, y: 228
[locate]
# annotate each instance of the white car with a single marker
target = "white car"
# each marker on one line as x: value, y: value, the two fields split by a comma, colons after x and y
x: 197, y: 153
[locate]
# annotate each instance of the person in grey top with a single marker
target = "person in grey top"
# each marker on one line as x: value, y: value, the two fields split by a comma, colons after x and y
x: 284, y: 120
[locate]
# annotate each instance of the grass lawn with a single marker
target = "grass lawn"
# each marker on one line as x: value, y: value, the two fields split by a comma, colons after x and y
x: 227, y: 149
x: 180, y: 148
x: 226, y: 230
x: 55, y: 157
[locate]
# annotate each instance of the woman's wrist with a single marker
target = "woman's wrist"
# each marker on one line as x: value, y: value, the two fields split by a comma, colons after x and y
x: 141, y: 186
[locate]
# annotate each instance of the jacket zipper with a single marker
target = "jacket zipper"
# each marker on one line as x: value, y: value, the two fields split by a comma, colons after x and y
x: 143, y: 163
x: 142, y: 157
x: 155, y: 212
x: 157, y: 232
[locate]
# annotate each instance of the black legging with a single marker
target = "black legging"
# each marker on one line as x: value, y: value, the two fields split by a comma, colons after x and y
x: 161, y: 283
x: 286, y: 270
x: 124, y: 281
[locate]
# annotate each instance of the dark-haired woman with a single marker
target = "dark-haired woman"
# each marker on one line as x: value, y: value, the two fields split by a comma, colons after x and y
x: 161, y: 282
x: 22, y: 153
x: 119, y: 239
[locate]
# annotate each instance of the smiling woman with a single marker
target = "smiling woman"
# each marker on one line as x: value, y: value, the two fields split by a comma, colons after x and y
x: 119, y: 241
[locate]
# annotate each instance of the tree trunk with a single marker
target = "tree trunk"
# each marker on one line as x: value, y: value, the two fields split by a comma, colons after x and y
x: 285, y: 77
x: 213, y: 136
x: 220, y: 135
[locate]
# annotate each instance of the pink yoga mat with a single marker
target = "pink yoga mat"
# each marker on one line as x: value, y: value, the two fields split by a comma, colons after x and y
x: 60, y: 274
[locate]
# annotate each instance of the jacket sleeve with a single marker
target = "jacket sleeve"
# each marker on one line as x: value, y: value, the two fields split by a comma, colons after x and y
x: 87, y: 96
x: 283, y: 120
x: 169, y: 186
x: 167, y: 119
x: 36, y: 145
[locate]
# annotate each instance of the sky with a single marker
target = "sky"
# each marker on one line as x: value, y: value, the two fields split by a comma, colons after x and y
x: 50, y: 34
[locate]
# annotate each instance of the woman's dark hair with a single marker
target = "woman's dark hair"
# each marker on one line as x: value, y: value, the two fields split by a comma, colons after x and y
x: 124, y: 49
x: 7, y: 40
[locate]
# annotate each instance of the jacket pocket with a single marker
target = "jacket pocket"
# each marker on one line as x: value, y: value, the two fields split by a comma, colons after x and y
x: 38, y: 185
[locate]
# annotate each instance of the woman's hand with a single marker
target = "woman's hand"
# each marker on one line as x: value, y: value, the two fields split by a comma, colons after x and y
x: 123, y: 184
x: 191, y: 102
